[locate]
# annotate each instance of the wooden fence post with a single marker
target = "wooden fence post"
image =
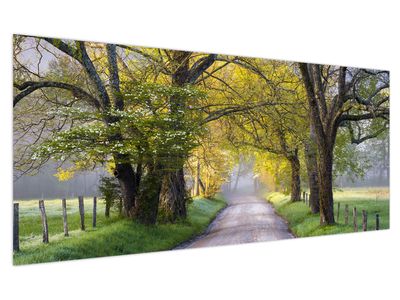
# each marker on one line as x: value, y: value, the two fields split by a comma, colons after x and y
x: 304, y: 196
x: 94, y: 211
x: 16, y: 228
x: 65, y: 222
x: 338, y: 212
x: 82, y: 212
x: 346, y: 214
x: 44, y: 222
x: 377, y: 221
x: 355, y: 219
x: 364, y: 220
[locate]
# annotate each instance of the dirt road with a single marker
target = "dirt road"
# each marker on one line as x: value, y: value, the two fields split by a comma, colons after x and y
x: 246, y: 219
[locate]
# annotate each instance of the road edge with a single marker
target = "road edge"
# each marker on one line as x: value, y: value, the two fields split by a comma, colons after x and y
x: 282, y: 217
x: 187, y: 243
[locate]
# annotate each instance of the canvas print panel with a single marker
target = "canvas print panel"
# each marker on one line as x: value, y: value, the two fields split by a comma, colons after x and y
x: 123, y: 149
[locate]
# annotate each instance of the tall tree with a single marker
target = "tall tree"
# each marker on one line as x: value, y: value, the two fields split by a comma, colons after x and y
x: 173, y: 195
x: 100, y: 99
x: 110, y: 122
x: 335, y: 97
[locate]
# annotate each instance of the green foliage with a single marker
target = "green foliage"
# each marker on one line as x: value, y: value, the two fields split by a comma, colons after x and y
x: 349, y: 159
x: 274, y: 171
x: 215, y: 159
x: 111, y: 192
x: 260, y: 105
x: 155, y: 94
x: 148, y: 126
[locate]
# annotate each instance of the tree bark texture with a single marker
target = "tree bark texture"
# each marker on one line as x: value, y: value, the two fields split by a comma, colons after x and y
x: 325, y: 164
x: 173, y: 196
x: 127, y: 180
x: 107, y: 209
x: 173, y: 188
x: 197, y: 181
x: 295, y: 178
x: 323, y: 121
x: 148, y: 198
x: 310, y: 150
x: 16, y: 227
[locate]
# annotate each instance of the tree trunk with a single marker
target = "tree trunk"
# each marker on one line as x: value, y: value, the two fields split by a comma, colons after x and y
x: 197, y: 181
x: 127, y: 181
x: 173, y: 192
x: 123, y: 169
x: 173, y: 197
x: 107, y: 209
x: 237, y: 177
x: 325, y: 164
x: 295, y: 178
x: 386, y: 163
x: 148, y: 198
x: 310, y: 149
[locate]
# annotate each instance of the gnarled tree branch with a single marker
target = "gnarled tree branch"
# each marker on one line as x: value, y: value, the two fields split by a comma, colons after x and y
x: 200, y: 66
x: 29, y: 87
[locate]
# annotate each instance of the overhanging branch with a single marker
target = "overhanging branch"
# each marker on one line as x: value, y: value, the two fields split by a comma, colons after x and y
x: 215, y: 115
x: 200, y: 66
x: 29, y: 87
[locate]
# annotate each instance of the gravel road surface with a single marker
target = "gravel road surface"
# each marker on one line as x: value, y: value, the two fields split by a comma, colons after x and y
x: 246, y: 219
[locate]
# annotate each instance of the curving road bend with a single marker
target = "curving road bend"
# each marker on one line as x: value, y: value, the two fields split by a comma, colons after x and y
x: 246, y: 219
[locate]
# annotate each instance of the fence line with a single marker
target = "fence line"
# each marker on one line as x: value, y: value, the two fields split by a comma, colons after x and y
x: 355, y: 216
x: 43, y: 215
x: 16, y: 245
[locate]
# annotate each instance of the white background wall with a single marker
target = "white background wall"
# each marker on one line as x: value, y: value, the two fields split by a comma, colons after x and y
x: 355, y: 33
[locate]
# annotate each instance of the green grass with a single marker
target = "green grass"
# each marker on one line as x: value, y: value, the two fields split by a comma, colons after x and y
x: 30, y: 226
x: 303, y: 223
x: 114, y: 236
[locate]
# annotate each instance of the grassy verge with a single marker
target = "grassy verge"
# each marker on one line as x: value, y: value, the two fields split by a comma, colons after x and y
x: 303, y: 223
x: 111, y: 237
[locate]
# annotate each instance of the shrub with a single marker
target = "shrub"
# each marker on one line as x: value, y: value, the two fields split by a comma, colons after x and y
x: 111, y: 192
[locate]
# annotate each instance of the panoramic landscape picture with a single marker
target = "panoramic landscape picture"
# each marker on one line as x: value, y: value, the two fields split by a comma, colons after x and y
x: 121, y: 149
